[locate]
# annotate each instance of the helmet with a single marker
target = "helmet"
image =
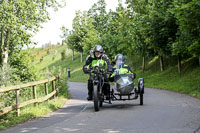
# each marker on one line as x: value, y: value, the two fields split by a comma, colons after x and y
x: 91, y: 51
x: 98, y: 48
x: 120, y: 56
x: 119, y: 60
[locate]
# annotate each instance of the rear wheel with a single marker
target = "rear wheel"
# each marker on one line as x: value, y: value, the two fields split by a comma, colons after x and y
x: 96, y: 98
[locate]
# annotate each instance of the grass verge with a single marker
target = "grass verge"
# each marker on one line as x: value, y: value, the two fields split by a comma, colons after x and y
x: 30, y: 112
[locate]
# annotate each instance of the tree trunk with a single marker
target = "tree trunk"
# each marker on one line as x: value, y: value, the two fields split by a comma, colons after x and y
x: 161, y: 64
x: 179, y: 64
x: 81, y: 56
x: 72, y: 55
x: 5, y: 51
x: 2, y: 44
x: 143, y: 64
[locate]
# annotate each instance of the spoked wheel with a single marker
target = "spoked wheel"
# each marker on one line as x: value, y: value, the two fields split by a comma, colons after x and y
x: 96, y: 98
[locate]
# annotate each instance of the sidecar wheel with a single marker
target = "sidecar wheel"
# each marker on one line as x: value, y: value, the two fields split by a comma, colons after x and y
x: 96, y: 98
x: 141, y: 99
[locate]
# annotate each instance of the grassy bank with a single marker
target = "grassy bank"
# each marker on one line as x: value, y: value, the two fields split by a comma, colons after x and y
x: 46, y: 62
x: 187, y: 82
x: 30, y: 112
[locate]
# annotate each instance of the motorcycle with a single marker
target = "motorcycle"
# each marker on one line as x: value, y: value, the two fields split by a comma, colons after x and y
x: 124, y: 87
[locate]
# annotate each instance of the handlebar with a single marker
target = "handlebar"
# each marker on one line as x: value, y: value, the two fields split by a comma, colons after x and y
x: 97, y: 70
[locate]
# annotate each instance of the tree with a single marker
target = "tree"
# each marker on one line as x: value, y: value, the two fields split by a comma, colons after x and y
x: 138, y: 17
x: 83, y: 36
x: 19, y: 20
x: 187, y: 13
x: 99, y: 14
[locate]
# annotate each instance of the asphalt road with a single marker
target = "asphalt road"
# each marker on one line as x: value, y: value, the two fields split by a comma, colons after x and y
x: 162, y: 112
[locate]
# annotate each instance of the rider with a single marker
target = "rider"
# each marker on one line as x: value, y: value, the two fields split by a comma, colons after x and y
x: 98, y: 55
x: 91, y: 54
x: 120, y: 67
x: 90, y: 57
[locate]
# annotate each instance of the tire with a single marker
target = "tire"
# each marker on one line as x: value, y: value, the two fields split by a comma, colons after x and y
x: 141, y: 99
x: 141, y: 89
x: 101, y: 100
x: 96, y: 98
x: 101, y: 103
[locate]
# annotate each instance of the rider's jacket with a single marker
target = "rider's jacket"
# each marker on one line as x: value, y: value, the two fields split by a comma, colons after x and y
x: 94, y: 61
x: 89, y: 56
x: 125, y: 69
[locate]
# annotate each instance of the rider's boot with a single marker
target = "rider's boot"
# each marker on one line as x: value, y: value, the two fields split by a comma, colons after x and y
x: 90, y: 90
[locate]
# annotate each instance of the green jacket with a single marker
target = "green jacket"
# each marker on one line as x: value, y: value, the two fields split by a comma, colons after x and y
x: 124, y: 70
x: 89, y: 57
x: 97, y: 63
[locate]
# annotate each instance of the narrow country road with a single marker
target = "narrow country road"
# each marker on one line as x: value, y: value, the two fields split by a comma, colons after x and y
x: 162, y: 112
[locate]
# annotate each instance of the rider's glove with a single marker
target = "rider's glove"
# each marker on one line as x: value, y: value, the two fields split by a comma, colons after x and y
x: 85, y: 69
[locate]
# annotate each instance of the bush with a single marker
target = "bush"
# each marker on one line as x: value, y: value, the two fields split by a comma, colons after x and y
x: 63, y: 55
x: 23, y: 67
x: 7, y: 78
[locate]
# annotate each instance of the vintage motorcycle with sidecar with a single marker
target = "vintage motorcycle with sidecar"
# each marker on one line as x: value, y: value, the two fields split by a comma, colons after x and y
x: 124, y: 87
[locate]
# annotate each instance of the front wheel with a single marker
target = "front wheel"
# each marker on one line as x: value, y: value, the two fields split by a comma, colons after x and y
x: 96, y: 98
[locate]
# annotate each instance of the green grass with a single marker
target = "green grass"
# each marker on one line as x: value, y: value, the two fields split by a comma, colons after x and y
x: 31, y: 112
x: 54, y: 66
x: 188, y: 82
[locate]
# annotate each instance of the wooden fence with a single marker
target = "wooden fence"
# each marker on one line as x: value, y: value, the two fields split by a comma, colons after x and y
x: 17, y: 88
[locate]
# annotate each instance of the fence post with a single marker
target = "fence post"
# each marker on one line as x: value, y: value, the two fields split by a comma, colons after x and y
x: 58, y: 78
x: 53, y: 87
x: 46, y: 88
x: 34, y: 94
x: 17, y: 102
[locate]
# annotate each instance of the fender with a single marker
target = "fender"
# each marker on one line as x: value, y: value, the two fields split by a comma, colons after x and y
x: 141, y: 85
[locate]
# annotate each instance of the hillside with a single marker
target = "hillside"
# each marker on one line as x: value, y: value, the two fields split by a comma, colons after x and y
x: 187, y: 82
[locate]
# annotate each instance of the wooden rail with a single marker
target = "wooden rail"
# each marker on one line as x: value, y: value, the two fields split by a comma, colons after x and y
x: 35, y: 100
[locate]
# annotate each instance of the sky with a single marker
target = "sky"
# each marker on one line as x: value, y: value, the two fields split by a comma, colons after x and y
x: 63, y: 17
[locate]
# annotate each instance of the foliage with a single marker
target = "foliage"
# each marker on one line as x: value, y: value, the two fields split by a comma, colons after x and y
x: 142, y: 27
x: 19, y: 20
x: 187, y: 14
x: 23, y: 67
x: 99, y: 14
x: 83, y: 36
x: 6, y: 77
x: 31, y: 111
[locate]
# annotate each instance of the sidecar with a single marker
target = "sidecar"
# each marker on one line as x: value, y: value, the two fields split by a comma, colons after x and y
x: 124, y: 88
